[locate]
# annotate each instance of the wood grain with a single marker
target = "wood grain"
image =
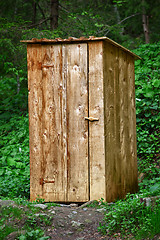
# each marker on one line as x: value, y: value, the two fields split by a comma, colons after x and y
x: 35, y: 115
x: 96, y: 129
x: 71, y: 159
x: 75, y: 57
x: 133, y: 173
x: 120, y: 130
x: 53, y: 166
x: 112, y: 122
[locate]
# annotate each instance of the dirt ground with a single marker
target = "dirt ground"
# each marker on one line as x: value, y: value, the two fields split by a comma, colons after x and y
x: 59, y: 222
x: 74, y: 223
x: 66, y: 222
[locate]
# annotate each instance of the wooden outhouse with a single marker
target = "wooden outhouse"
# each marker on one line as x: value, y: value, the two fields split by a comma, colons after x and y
x: 82, y: 119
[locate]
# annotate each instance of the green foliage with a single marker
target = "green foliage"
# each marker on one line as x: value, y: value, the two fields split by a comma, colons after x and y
x: 147, y: 103
x: 131, y: 218
x: 14, y: 164
x: 33, y: 235
x: 39, y: 200
x: 12, y: 102
x: 11, y: 213
x: 6, y: 230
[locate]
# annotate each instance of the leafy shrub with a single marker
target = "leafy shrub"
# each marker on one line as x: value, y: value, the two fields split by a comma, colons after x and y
x: 14, y: 164
x: 147, y: 82
x: 37, y: 234
x: 12, y: 100
x: 130, y: 217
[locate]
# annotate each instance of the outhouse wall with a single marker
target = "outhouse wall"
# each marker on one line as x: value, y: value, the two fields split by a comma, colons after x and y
x: 96, y: 76
x: 112, y: 146
x: 120, y: 123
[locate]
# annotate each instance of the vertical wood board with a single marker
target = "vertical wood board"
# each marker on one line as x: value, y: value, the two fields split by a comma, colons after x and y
x: 35, y: 115
x: 112, y: 123
x: 128, y: 122
x: 133, y: 173
x: 96, y: 128
x: 75, y: 58
x: 124, y: 124
x: 53, y: 166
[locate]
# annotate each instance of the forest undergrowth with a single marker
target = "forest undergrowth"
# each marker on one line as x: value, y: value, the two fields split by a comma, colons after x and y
x: 124, y: 217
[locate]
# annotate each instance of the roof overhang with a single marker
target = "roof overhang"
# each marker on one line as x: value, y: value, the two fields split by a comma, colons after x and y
x: 78, y: 40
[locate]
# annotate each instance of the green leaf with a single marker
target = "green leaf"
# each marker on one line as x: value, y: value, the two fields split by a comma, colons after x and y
x: 22, y: 237
x: 155, y: 187
x: 2, y: 171
x: 156, y: 83
x: 11, y: 161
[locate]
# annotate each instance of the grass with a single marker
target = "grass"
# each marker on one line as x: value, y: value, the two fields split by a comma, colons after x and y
x: 132, y: 218
x: 23, y: 218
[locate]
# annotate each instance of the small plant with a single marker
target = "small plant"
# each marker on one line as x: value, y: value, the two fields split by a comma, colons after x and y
x: 31, y: 220
x: 130, y: 217
x: 37, y: 234
x: 5, y: 230
x: 11, y: 212
x: 39, y: 200
x: 45, y: 220
x: 150, y: 228
x: 8, y: 213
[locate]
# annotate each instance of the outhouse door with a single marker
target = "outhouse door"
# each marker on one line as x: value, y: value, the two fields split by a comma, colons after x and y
x: 59, y: 130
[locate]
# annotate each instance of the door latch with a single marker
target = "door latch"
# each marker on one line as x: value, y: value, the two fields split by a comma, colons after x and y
x: 43, y: 181
x: 91, y: 119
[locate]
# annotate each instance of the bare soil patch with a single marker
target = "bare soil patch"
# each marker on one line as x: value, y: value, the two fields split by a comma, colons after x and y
x: 64, y: 222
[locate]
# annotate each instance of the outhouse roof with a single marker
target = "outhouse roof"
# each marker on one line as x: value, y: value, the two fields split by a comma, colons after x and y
x: 81, y: 39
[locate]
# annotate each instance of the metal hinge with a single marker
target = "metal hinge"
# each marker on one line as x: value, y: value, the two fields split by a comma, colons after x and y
x: 43, y: 181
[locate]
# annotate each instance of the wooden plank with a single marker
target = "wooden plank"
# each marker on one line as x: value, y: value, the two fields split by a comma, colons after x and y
x: 96, y: 129
x: 53, y: 140
x: 77, y: 127
x: 133, y: 172
x: 124, y: 124
x: 112, y: 123
x: 35, y: 114
x: 127, y: 120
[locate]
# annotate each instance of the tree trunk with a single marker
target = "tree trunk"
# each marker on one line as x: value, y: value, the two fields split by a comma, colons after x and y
x: 54, y: 14
x: 34, y: 12
x: 145, y: 27
x: 118, y: 18
x: 145, y: 22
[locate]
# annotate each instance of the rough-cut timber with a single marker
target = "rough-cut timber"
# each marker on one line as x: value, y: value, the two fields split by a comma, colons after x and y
x: 112, y: 123
x: 53, y: 164
x: 120, y: 123
x: 96, y: 129
x: 35, y: 110
x: 75, y: 60
x: 82, y: 120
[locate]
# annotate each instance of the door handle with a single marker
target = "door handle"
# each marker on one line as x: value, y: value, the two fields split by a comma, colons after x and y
x: 91, y: 119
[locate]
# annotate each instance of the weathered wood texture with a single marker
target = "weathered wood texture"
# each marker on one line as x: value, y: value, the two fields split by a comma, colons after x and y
x: 35, y: 114
x: 58, y: 104
x: 75, y: 62
x: 120, y: 123
x: 53, y: 141
x: 96, y: 129
x: 73, y: 159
